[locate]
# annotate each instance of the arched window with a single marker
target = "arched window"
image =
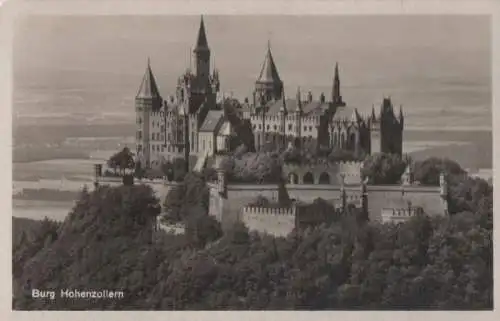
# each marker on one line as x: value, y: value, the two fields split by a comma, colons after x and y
x: 308, y: 178
x: 352, y: 141
x: 324, y: 178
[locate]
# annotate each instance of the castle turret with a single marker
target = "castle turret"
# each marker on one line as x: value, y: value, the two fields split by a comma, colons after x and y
x: 283, y: 113
x: 202, y: 56
x: 269, y: 84
x: 407, y: 177
x: 147, y: 101
x: 336, y: 96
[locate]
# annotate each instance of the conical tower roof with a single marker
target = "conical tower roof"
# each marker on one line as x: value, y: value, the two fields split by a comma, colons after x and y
x: 201, y: 42
x: 148, y: 89
x: 269, y: 72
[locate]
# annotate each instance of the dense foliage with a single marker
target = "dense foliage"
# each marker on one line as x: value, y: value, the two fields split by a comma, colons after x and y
x: 427, y: 172
x: 303, y: 156
x: 189, y: 198
x: 384, y: 169
x: 106, y: 243
x: 252, y: 167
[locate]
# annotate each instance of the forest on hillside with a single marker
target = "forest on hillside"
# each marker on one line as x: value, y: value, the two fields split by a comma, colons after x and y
x: 106, y: 242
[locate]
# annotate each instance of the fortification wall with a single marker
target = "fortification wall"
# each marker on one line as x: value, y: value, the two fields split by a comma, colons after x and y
x: 331, y: 193
x: 428, y: 198
x: 274, y: 221
x: 331, y: 171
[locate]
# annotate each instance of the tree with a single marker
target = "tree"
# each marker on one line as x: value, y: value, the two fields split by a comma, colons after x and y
x: 202, y: 229
x: 190, y: 197
x: 383, y: 168
x: 122, y: 160
x: 427, y: 171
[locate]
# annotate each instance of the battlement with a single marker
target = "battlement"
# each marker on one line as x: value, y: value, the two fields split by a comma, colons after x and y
x: 254, y: 210
x: 397, y: 215
x: 274, y: 221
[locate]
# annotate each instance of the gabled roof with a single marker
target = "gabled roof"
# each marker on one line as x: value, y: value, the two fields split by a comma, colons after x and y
x: 269, y: 72
x: 148, y: 88
x: 212, y: 120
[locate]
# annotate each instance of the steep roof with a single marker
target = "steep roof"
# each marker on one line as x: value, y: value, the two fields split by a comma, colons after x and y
x: 148, y: 88
x: 212, y: 120
x: 269, y: 72
x: 308, y: 108
x: 201, y: 42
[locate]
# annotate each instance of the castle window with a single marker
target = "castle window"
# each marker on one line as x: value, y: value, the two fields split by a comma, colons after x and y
x: 162, y: 128
x: 260, y: 126
x: 254, y: 126
x: 290, y: 127
x: 310, y: 128
x: 139, y: 120
x: 305, y: 128
x: 275, y: 127
x: 139, y: 135
x: 267, y: 128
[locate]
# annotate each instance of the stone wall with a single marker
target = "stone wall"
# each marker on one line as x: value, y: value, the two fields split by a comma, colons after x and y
x: 274, y: 221
x: 323, y: 173
x: 427, y: 197
x: 227, y: 208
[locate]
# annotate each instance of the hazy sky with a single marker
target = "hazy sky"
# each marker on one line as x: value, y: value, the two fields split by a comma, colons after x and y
x: 418, y: 59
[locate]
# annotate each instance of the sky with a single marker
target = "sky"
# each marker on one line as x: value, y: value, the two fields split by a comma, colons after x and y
x: 423, y: 62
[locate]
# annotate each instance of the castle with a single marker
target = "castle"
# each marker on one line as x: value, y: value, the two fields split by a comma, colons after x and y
x: 192, y: 123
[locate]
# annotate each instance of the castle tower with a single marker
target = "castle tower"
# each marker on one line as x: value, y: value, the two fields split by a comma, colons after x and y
x: 336, y: 97
x: 297, y: 116
x: 269, y: 85
x: 386, y: 131
x: 147, y: 100
x: 202, y: 57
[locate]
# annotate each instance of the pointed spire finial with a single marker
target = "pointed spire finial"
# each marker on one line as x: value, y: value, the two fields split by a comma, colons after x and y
x: 201, y: 42
x: 149, y: 61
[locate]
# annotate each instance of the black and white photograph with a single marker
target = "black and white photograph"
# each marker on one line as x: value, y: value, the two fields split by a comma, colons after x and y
x: 250, y: 162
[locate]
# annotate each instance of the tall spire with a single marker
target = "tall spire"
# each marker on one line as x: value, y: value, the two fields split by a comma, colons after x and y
x: 336, y: 97
x: 201, y: 43
x: 148, y: 88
